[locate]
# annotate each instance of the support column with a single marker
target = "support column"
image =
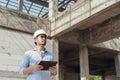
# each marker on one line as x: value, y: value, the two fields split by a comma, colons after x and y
x: 110, y: 77
x: 56, y: 53
x: 84, y: 63
x: 20, y: 6
x: 103, y: 77
x: 117, y: 65
x: 53, y: 9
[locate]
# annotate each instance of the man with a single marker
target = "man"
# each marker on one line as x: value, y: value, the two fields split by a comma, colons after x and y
x: 29, y: 65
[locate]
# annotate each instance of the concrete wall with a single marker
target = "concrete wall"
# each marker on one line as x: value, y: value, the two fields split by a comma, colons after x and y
x: 82, y: 14
x: 13, y: 45
x: 3, y: 78
x: 110, y: 77
x: 23, y: 22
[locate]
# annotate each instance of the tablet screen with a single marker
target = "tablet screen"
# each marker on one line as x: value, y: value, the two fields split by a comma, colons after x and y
x: 47, y: 64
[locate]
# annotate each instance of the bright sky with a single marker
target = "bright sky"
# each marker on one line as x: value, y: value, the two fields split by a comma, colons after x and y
x: 35, y: 9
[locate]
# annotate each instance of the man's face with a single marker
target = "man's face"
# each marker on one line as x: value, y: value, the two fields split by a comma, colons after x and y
x: 41, y: 39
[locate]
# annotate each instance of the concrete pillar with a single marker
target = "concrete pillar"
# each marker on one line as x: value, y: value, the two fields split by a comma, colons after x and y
x: 117, y: 65
x: 20, y: 6
x: 109, y: 77
x: 103, y: 77
x: 53, y: 9
x: 84, y: 65
x: 61, y: 71
x: 56, y: 53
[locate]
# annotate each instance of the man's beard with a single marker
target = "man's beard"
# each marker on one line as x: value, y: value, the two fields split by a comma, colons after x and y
x: 42, y: 45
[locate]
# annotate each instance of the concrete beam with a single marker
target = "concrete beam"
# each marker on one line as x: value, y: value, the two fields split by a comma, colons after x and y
x: 111, y: 44
x: 73, y: 37
x: 22, y: 22
x: 102, y: 32
x: 107, y: 30
x: 53, y: 9
x: 83, y: 15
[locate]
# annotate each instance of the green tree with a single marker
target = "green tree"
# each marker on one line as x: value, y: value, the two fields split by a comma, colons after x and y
x: 95, y: 78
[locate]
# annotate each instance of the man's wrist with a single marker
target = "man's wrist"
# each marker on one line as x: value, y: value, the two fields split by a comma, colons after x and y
x: 32, y: 68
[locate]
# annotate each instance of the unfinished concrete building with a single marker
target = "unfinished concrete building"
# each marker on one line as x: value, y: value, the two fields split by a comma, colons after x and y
x: 83, y: 35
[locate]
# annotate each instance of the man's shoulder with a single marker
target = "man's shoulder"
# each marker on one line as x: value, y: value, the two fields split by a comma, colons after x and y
x: 30, y: 51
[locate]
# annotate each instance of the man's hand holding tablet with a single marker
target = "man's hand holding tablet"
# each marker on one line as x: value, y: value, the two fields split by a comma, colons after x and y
x: 48, y: 64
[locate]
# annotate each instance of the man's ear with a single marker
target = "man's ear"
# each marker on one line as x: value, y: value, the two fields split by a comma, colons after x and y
x: 35, y: 41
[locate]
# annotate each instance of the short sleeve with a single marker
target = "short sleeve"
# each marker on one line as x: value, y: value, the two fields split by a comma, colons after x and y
x: 24, y: 63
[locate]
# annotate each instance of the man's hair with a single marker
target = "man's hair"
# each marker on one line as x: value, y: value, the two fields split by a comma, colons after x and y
x: 35, y: 43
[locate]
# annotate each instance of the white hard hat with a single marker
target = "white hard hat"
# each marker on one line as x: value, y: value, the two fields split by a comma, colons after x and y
x: 38, y: 32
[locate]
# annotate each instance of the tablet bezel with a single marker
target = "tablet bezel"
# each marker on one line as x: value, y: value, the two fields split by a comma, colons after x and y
x: 47, y: 64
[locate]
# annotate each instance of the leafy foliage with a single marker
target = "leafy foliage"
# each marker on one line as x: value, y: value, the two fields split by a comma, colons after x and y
x: 95, y: 78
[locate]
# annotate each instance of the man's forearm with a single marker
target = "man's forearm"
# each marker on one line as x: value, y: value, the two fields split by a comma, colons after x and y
x: 28, y: 70
x: 33, y: 68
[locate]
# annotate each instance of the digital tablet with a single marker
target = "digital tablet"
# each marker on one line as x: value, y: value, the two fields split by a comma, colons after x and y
x: 47, y: 64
